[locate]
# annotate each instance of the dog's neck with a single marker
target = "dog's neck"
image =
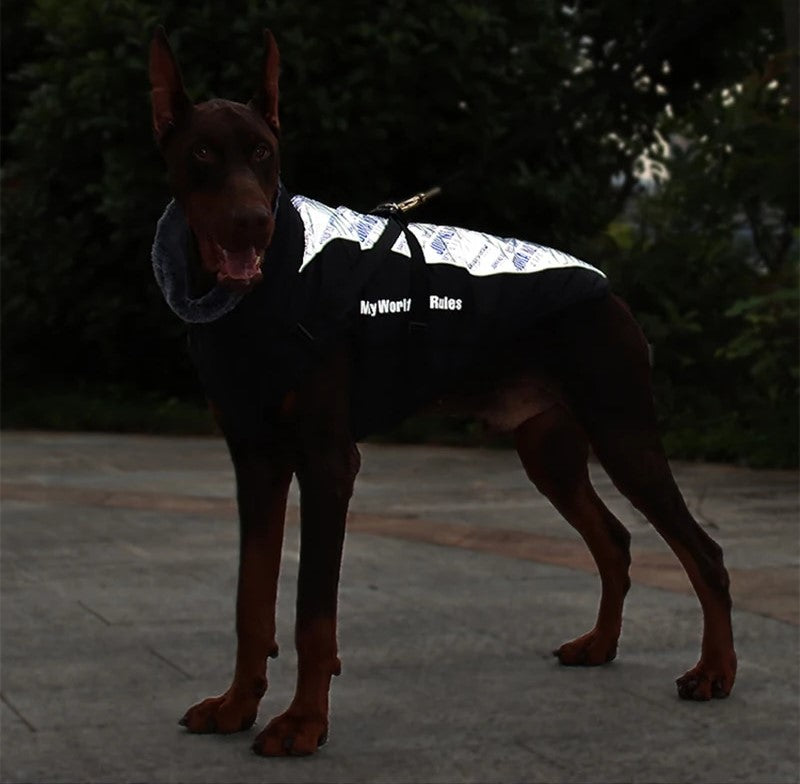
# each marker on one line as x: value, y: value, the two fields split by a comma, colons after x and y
x: 197, y: 298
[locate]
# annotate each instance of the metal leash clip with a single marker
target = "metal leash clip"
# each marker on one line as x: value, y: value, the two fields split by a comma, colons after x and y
x: 395, y: 208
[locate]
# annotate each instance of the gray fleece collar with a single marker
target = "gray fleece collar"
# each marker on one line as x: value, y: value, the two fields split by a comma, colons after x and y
x: 170, y: 266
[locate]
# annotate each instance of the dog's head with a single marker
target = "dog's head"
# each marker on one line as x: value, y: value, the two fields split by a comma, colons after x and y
x: 222, y: 159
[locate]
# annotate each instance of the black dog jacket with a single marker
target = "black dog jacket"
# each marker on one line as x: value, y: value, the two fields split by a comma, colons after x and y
x: 420, y: 304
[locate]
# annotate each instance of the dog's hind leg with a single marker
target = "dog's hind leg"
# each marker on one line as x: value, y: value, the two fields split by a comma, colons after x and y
x: 612, y: 398
x: 554, y: 450
x: 633, y: 457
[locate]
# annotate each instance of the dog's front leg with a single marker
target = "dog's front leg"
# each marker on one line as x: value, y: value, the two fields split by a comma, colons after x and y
x: 262, y: 484
x: 326, y: 476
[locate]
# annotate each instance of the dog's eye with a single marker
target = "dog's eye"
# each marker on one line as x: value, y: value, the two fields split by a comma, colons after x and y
x: 201, y: 152
x: 261, y: 152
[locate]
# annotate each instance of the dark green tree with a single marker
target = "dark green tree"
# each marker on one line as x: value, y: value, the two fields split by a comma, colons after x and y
x: 710, y: 256
x: 532, y: 114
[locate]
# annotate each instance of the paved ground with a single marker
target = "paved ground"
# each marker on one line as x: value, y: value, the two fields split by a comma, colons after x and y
x: 118, y: 575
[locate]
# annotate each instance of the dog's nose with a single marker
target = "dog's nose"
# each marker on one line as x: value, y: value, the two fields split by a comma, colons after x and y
x: 250, y: 220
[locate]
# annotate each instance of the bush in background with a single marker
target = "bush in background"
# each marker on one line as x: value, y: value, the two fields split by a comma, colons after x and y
x: 533, y: 115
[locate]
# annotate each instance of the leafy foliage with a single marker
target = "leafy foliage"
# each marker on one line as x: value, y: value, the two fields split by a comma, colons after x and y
x: 710, y: 258
x: 533, y: 115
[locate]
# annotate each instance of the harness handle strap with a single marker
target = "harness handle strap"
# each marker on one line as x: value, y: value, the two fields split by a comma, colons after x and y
x: 313, y: 329
x: 418, y: 322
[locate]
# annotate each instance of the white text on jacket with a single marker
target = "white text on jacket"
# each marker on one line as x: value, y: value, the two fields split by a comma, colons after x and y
x: 384, y: 307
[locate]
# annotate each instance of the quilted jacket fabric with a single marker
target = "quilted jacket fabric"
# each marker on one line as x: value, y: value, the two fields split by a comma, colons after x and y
x: 420, y: 314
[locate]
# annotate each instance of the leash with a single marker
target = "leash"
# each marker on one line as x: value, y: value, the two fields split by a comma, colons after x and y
x: 394, y: 208
x: 512, y: 143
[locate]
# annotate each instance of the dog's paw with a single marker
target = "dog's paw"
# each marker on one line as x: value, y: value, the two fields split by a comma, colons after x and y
x: 230, y: 712
x: 588, y: 650
x: 292, y: 734
x: 710, y: 678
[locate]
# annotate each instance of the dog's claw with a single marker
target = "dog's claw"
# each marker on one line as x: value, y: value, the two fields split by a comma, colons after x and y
x: 687, y: 688
x: 183, y: 721
x: 718, y: 690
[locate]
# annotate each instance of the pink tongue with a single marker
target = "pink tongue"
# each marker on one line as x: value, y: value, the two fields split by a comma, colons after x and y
x: 238, y: 265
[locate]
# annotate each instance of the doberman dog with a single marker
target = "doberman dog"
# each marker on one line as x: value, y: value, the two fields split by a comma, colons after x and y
x: 580, y: 378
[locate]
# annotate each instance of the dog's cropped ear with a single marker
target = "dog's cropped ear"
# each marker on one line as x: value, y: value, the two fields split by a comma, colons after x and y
x: 167, y: 94
x: 265, y: 101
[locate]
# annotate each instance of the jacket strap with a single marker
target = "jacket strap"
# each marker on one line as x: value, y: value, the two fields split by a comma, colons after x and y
x: 318, y: 327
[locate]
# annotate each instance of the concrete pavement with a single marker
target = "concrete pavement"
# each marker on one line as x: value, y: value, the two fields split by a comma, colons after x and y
x: 118, y: 576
